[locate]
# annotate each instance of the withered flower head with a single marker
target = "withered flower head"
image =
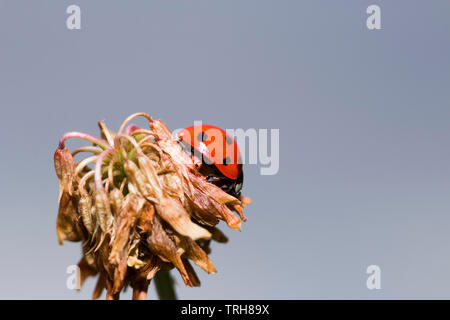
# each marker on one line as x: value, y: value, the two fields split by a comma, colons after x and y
x: 144, y: 209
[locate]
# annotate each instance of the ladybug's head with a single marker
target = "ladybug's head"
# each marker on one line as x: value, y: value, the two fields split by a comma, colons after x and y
x: 219, y: 154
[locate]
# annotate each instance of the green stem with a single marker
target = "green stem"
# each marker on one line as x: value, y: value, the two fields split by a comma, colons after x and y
x: 165, y: 286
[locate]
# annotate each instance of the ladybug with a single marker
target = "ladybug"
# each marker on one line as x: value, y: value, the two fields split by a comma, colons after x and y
x: 221, y: 161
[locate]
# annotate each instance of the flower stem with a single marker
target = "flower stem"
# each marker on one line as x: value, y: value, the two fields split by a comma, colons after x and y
x: 85, y: 136
x: 98, y: 169
x: 165, y: 286
x: 90, y: 149
x: 131, y: 128
x: 139, y: 114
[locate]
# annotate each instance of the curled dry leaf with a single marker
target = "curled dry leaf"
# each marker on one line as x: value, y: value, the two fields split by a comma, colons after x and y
x: 145, y: 207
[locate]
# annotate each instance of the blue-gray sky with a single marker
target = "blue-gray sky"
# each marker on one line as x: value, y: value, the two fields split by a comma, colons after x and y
x: 364, y: 133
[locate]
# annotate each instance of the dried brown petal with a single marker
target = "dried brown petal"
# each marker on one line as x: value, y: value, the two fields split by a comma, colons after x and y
x: 194, y: 252
x: 150, y: 174
x: 161, y: 244
x: 116, y: 201
x: 238, y: 209
x: 103, y: 211
x: 120, y: 272
x: 106, y: 134
x: 205, y: 209
x: 86, y: 270
x: 232, y: 221
x: 124, y: 222
x: 245, y: 201
x: 137, y: 178
x: 65, y: 169
x: 67, y: 226
x: 148, y: 270
x: 195, y: 281
x: 173, y: 212
x: 213, y: 191
x: 146, y: 219
x: 85, y: 209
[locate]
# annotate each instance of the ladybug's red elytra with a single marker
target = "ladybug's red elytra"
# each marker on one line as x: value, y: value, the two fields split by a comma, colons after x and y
x: 221, y: 159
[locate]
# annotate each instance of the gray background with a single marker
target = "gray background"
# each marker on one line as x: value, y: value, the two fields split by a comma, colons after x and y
x: 363, y: 116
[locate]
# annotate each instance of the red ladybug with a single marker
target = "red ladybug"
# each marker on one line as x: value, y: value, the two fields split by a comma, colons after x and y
x: 219, y: 152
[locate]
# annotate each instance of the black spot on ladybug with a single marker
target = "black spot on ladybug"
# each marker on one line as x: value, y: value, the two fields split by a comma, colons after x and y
x: 228, y: 139
x: 202, y: 136
x: 226, y: 161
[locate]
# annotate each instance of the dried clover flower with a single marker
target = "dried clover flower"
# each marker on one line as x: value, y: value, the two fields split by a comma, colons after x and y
x: 143, y: 210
